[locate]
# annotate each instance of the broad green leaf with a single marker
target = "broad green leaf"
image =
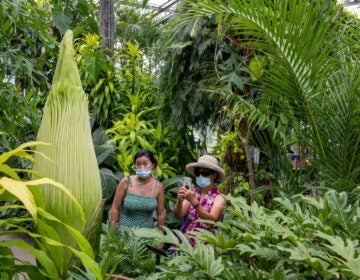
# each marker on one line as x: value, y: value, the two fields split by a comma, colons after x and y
x: 94, y: 62
x: 56, y: 253
x: 21, y: 192
x: 109, y: 182
x: 63, y: 17
x: 85, y: 259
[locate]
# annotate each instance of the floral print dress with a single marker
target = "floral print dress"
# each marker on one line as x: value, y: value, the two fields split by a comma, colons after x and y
x: 191, y: 223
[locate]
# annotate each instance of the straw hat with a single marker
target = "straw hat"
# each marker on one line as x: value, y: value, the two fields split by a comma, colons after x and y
x: 209, y: 162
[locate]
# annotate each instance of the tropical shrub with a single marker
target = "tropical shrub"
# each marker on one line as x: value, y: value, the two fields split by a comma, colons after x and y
x: 28, y: 49
x: 310, y: 86
x: 138, y: 24
x: 100, y: 78
x: 143, y: 130
x: 139, y: 125
x: 124, y: 253
x: 20, y: 121
x: 25, y: 45
x: 304, y: 238
x: 28, y: 53
x: 188, y: 52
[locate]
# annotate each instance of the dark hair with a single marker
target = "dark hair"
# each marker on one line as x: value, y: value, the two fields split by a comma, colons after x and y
x: 147, y: 154
x: 212, y: 171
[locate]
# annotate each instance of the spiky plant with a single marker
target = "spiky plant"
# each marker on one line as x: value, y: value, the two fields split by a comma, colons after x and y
x: 65, y: 125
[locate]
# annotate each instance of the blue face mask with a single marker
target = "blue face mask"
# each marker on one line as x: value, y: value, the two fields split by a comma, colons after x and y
x: 203, y: 182
x: 143, y: 173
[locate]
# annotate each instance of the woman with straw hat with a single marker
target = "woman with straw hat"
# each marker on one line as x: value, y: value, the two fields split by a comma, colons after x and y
x: 203, y: 202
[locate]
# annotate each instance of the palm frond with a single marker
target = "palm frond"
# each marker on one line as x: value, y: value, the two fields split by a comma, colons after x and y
x: 312, y: 77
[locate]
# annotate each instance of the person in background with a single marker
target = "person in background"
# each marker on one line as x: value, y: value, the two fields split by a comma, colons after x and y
x: 297, y: 157
x: 138, y: 196
x: 204, y: 201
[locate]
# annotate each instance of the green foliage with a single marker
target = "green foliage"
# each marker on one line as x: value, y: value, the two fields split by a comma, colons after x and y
x: 309, y: 88
x: 30, y: 199
x: 138, y: 88
x: 134, y: 132
x: 140, y: 128
x: 109, y: 86
x: 26, y: 46
x: 28, y: 52
x: 28, y: 49
x: 139, y: 125
x: 232, y: 68
x: 78, y: 15
x: 20, y: 120
x: 188, y: 65
x: 99, y: 78
x: 106, y: 159
x: 230, y: 149
x: 304, y: 238
x: 124, y: 253
x: 256, y: 67
x: 138, y: 25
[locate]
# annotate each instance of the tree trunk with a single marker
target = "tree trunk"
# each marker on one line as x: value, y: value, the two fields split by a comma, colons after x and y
x: 107, y: 25
x: 245, y: 142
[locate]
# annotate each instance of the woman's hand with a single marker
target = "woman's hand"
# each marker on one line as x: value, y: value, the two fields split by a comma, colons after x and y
x: 182, y: 204
x: 181, y: 193
x: 189, y: 195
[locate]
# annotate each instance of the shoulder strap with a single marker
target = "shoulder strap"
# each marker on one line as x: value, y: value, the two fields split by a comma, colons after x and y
x: 128, y: 184
x: 126, y: 189
x: 155, y: 189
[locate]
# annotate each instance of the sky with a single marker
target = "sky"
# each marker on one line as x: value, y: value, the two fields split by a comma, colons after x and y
x: 157, y: 2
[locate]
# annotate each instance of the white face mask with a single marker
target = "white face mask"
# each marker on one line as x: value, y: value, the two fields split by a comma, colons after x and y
x: 143, y: 173
x: 203, y: 182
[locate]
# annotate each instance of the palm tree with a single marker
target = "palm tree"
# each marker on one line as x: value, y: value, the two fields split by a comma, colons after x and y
x: 311, y: 85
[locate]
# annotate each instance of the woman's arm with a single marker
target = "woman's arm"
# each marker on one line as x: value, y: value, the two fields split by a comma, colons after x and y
x: 160, y: 208
x: 115, y: 207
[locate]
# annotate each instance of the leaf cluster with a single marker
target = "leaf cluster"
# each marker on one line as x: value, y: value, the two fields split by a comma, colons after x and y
x: 48, y: 250
x: 124, y: 253
x: 304, y: 238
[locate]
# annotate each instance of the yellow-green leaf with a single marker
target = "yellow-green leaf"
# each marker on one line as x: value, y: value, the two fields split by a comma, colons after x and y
x: 21, y: 191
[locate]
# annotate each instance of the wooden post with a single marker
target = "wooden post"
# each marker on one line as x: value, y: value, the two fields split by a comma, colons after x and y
x: 245, y: 142
x: 107, y: 26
